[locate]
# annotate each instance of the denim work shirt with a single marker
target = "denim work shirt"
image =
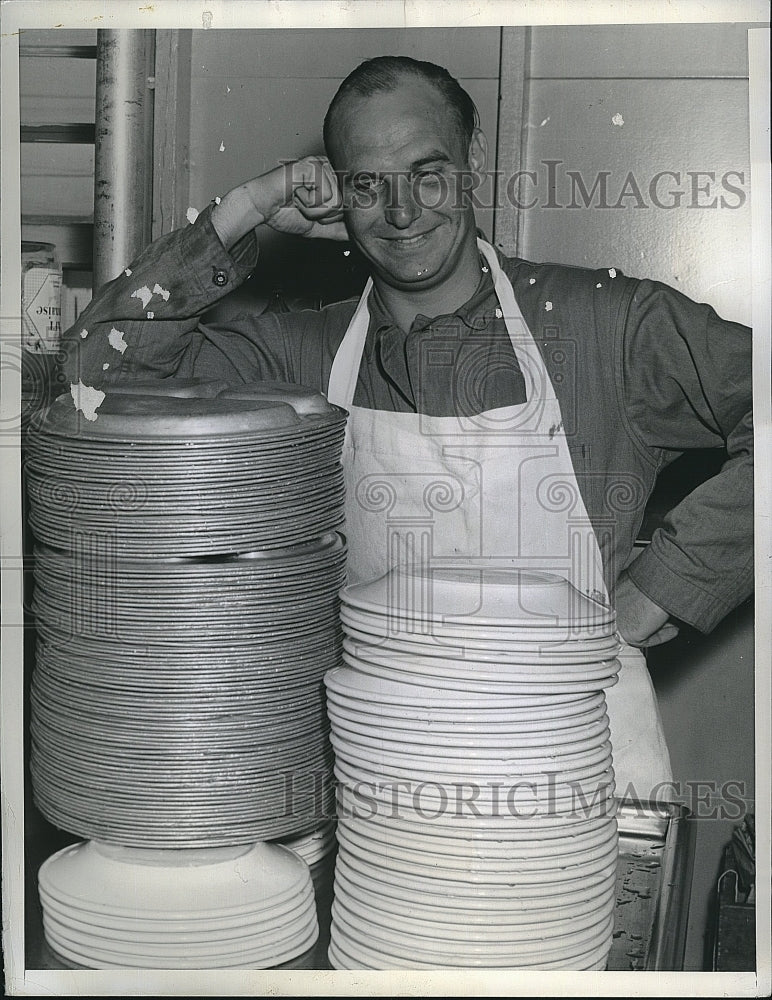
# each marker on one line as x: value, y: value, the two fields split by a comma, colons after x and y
x: 642, y: 373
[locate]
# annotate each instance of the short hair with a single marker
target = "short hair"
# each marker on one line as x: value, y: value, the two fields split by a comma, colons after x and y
x: 384, y: 73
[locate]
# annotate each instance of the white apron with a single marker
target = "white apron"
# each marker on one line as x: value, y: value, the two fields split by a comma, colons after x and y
x: 494, y: 489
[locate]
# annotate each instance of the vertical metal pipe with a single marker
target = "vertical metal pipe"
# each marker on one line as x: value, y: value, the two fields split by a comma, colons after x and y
x: 123, y: 158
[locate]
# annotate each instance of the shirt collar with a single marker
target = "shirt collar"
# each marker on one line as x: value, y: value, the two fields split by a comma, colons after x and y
x: 476, y: 313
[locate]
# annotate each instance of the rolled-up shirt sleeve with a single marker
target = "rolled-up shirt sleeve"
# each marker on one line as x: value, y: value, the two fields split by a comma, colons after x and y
x: 687, y: 383
x: 144, y: 322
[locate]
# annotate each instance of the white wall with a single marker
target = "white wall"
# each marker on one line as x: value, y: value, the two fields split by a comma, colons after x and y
x: 682, y: 93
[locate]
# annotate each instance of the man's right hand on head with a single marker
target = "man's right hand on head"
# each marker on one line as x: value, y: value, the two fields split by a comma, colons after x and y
x: 301, y: 197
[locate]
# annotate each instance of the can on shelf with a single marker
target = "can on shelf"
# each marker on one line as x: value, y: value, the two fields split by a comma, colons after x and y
x: 41, y: 293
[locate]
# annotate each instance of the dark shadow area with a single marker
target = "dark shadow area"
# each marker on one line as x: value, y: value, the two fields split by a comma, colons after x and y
x: 295, y: 273
x: 672, y: 662
x: 676, y: 481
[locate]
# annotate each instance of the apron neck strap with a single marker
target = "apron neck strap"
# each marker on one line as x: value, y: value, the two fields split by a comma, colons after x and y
x: 345, y: 364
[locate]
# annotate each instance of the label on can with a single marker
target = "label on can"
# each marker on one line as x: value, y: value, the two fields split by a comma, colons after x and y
x: 42, y: 311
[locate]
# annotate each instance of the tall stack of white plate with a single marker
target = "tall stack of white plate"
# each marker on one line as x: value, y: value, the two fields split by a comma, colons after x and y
x: 186, y: 598
x: 476, y: 813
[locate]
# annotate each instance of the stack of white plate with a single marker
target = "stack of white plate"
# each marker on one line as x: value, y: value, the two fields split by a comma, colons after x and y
x: 166, y: 474
x: 232, y: 908
x: 313, y: 847
x: 187, y: 575
x: 476, y: 817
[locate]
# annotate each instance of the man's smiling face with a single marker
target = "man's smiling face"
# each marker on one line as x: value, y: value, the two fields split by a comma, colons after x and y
x: 400, y: 157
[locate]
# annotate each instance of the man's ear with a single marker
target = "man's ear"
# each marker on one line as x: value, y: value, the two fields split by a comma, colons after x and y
x: 478, y: 151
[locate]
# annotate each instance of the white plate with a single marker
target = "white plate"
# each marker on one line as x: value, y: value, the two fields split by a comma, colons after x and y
x: 541, y: 672
x: 480, y: 836
x: 372, y: 687
x: 488, y: 872
x: 345, y: 956
x: 572, y: 651
x: 475, y: 921
x: 522, y: 798
x: 252, y: 937
x: 534, y: 854
x: 517, y: 818
x: 469, y: 827
x: 456, y: 738
x: 477, y: 594
x: 591, y: 756
x: 367, y: 933
x: 194, y: 927
x: 340, y: 960
x: 104, y: 959
x: 485, y: 637
x: 314, y: 846
x: 533, y: 665
x: 83, y: 872
x: 491, y: 902
x: 513, y: 685
x: 438, y: 932
x: 467, y: 714
x: 397, y: 945
x: 462, y: 853
x: 543, y: 778
x: 542, y: 743
x: 465, y: 889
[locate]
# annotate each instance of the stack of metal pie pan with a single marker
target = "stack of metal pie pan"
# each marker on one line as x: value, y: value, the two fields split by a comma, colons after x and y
x: 179, y: 475
x: 476, y: 819
x: 187, y: 573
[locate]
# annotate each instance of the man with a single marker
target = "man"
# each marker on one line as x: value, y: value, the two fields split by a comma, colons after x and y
x: 454, y: 378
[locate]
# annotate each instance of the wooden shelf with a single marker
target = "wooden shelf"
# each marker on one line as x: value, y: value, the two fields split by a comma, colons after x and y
x: 76, y: 132
x: 58, y: 51
x: 57, y: 220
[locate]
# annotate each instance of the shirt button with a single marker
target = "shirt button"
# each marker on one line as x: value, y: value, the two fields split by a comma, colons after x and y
x: 219, y: 278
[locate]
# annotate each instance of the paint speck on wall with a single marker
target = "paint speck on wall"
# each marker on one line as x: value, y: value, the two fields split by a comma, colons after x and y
x: 191, y: 215
x: 612, y: 272
x: 618, y: 120
x: 163, y: 292
x: 127, y: 272
x: 115, y: 337
x: 144, y: 294
x: 548, y: 306
x: 599, y: 285
x: 222, y: 146
x: 86, y: 399
x: 545, y: 121
x: 532, y: 281
x: 150, y: 315
x: 84, y: 334
x: 105, y: 366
